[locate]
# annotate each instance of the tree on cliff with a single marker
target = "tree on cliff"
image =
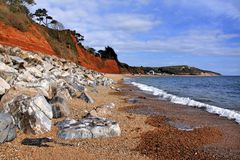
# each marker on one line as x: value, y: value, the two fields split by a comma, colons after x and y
x: 79, y: 37
x: 56, y: 25
x: 41, y: 14
x: 108, y: 53
x: 91, y: 50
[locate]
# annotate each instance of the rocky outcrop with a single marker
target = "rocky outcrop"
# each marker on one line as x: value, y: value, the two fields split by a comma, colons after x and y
x: 89, y: 127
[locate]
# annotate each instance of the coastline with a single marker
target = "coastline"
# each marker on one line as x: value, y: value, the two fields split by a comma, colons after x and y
x: 186, y: 119
x: 149, y: 131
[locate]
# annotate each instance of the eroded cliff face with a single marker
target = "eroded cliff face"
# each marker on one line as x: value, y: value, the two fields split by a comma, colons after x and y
x: 31, y: 40
x: 90, y: 61
x: 34, y: 40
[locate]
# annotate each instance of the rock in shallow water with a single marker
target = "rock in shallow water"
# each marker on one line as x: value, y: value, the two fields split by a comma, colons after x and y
x: 31, y: 114
x: 7, y: 128
x: 89, y: 127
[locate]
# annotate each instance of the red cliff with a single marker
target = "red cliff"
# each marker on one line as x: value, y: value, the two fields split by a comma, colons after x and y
x: 34, y: 40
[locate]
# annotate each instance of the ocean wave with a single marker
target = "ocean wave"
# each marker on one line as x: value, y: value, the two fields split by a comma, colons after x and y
x: 230, y: 114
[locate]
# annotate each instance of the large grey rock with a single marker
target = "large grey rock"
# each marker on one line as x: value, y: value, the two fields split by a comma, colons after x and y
x: 59, y: 107
x: 3, y: 86
x: 74, y: 82
x: 89, y: 127
x: 7, y: 128
x: 84, y: 96
x: 66, y: 88
x: 31, y: 114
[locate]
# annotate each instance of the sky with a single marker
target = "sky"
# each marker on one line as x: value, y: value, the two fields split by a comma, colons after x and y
x: 199, y: 33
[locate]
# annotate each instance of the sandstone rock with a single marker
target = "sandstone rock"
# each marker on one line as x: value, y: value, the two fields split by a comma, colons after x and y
x: 31, y: 114
x: 7, y: 128
x: 84, y: 96
x: 89, y: 127
x: 3, y: 86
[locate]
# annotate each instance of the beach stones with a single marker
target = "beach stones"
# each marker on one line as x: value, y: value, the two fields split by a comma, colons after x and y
x: 7, y: 128
x: 31, y: 114
x: 84, y: 96
x: 89, y: 127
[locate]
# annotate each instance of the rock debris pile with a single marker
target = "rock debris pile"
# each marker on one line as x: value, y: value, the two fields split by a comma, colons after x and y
x: 53, y: 81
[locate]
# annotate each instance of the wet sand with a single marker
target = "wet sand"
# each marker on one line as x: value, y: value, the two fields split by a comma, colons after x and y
x: 149, y: 131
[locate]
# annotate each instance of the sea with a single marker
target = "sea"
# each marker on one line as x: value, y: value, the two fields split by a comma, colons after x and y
x: 218, y: 95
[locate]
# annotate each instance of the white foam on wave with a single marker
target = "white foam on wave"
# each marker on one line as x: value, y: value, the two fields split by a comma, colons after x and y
x: 230, y: 114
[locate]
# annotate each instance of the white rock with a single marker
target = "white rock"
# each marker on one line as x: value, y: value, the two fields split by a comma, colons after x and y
x: 34, y: 71
x: 31, y: 114
x: 40, y: 102
x: 89, y: 127
x: 3, y: 86
x: 5, y: 68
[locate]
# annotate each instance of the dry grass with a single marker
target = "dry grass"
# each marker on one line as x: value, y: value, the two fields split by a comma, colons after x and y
x: 16, y: 20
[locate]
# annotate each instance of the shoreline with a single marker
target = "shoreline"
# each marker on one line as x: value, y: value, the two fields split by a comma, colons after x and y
x: 149, y: 131
x: 226, y: 147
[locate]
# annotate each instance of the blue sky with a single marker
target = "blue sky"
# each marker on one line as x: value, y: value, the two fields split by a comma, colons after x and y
x: 200, y: 33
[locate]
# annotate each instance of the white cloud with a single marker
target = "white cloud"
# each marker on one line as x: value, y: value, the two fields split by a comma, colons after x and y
x: 118, y: 28
x: 131, y: 22
x: 193, y: 42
